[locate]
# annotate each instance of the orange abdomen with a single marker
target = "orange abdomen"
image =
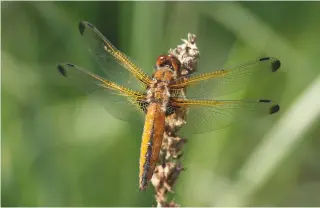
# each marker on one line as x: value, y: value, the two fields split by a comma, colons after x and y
x: 151, y: 142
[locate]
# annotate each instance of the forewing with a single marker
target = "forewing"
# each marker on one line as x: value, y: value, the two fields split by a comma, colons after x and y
x: 208, y: 115
x: 229, y: 80
x: 115, y: 65
x: 119, y: 101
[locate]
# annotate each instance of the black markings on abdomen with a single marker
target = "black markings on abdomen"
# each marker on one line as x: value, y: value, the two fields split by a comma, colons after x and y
x: 148, y: 156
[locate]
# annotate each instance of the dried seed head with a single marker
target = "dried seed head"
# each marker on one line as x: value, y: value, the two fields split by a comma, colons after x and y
x: 172, y: 146
x: 164, y: 179
x: 166, y: 174
x: 187, y: 53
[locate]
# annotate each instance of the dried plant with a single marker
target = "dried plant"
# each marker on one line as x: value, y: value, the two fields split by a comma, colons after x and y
x: 169, y: 168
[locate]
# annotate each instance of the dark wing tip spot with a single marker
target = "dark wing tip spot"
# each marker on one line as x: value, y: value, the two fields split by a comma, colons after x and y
x: 275, y: 65
x: 274, y: 109
x: 62, y: 70
x: 82, y: 27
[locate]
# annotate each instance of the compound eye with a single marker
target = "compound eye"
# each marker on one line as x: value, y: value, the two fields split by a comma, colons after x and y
x: 162, y: 60
x: 175, y: 63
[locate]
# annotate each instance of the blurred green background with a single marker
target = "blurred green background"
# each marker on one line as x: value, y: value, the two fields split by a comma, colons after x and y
x: 61, y: 149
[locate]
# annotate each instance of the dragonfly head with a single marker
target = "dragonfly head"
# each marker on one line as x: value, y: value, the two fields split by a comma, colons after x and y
x: 169, y: 61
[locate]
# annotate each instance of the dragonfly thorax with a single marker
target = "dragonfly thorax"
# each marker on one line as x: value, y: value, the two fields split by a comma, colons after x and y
x: 158, y: 91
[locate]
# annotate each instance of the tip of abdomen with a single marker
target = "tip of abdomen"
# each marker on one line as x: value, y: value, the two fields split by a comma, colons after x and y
x: 142, y: 187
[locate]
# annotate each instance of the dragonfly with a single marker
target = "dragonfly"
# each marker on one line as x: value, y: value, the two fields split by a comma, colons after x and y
x: 124, y: 88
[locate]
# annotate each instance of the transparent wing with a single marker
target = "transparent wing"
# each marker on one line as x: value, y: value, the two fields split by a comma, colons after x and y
x: 115, y: 65
x: 226, y: 81
x: 208, y: 115
x: 119, y: 101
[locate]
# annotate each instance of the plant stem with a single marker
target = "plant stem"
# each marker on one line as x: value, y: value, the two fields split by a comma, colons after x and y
x: 167, y: 172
